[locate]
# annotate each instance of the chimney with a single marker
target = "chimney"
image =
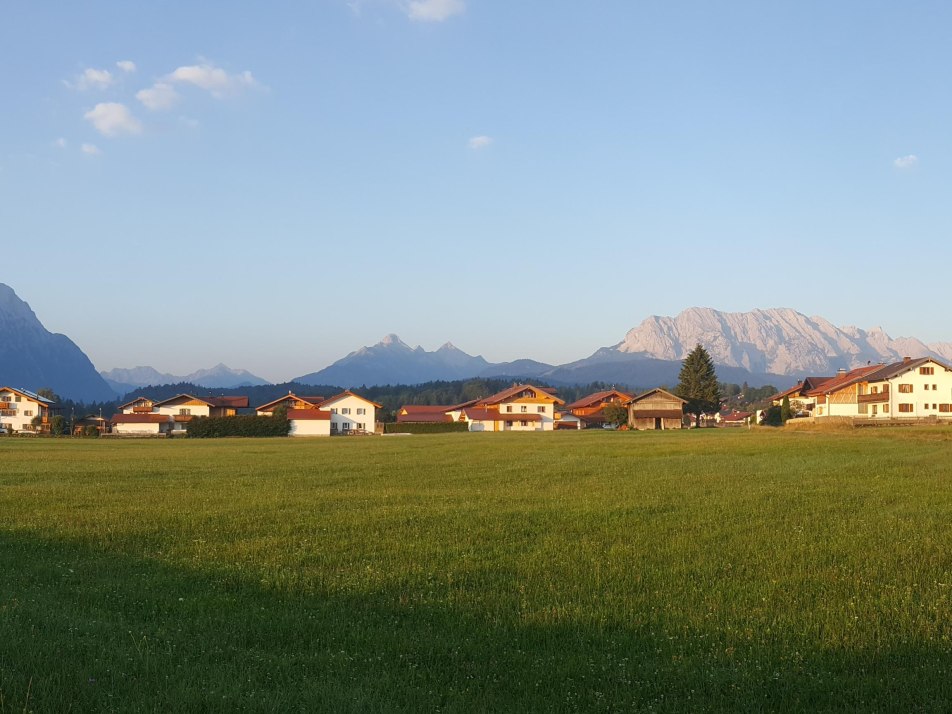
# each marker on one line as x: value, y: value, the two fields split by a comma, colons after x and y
x: 906, y: 359
x: 841, y: 371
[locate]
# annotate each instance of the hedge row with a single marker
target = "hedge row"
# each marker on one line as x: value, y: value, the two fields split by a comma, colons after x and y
x: 425, y: 427
x: 215, y: 427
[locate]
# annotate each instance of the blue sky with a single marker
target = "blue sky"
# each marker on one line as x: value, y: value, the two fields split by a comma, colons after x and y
x: 274, y: 185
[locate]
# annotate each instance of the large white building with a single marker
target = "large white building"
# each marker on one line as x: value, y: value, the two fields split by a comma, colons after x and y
x: 912, y: 389
x: 522, y: 407
x: 344, y: 413
x: 19, y: 408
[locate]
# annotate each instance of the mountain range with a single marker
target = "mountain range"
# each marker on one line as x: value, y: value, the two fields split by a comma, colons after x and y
x: 34, y: 358
x: 123, y: 381
x: 773, y: 346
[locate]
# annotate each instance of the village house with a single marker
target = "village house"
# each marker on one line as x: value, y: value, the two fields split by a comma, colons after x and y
x: 521, y: 407
x: 344, y: 413
x: 590, y: 410
x: 146, y: 417
x: 20, y: 408
x: 656, y: 409
x: 800, y: 397
x: 913, y: 389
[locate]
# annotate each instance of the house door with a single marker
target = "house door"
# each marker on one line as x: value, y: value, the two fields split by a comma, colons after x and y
x: 658, y: 424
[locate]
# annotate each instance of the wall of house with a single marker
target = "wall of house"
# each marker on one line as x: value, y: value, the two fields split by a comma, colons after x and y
x: 137, y: 428
x: 195, y: 408
x: 345, y: 414
x: 310, y: 427
x: 925, y: 401
x: 546, y: 410
x: 19, y: 415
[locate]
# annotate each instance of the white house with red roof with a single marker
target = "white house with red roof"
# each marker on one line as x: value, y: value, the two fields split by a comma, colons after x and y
x: 344, y: 413
x: 521, y: 407
x: 20, y: 407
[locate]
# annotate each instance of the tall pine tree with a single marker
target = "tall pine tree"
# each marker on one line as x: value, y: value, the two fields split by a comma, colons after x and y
x: 698, y: 384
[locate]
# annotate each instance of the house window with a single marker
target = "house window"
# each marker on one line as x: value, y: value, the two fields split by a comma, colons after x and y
x: 509, y: 408
x: 361, y: 426
x: 874, y: 390
x: 541, y: 410
x: 345, y: 410
x: 16, y: 398
x: 927, y: 370
x: 905, y: 408
x: 524, y: 423
x: 185, y: 412
x: 361, y: 410
x: 333, y: 410
x: 885, y: 407
x: 875, y: 409
x: 524, y: 409
x: 27, y: 412
x: 945, y: 408
x: 905, y: 389
x: 935, y: 387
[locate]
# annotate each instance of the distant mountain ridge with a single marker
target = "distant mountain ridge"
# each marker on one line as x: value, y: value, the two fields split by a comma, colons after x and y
x: 32, y: 357
x: 777, y: 340
x: 218, y: 377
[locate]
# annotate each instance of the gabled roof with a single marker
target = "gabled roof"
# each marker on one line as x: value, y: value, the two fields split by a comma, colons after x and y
x: 28, y: 394
x: 137, y: 399
x: 515, y: 389
x: 894, y: 370
x: 844, y: 380
x: 657, y: 390
x: 736, y: 416
x: 423, y: 413
x: 597, y: 397
x: 232, y: 402
x: 802, y: 387
x: 290, y: 395
x: 346, y: 393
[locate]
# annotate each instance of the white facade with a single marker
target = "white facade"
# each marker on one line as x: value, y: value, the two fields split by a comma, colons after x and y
x: 350, y: 413
x: 140, y: 429
x: 923, y: 391
x: 310, y: 427
x: 545, y: 411
x: 18, y: 409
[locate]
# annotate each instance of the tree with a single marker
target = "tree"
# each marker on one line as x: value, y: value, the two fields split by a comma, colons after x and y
x: 615, y: 414
x: 57, y: 424
x: 698, y: 384
x: 785, y: 411
x: 48, y: 393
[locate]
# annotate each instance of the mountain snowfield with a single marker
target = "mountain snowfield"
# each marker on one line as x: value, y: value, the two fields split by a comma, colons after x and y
x: 776, y: 340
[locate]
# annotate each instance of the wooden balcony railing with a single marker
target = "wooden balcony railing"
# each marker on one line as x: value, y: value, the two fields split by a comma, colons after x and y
x: 877, y: 398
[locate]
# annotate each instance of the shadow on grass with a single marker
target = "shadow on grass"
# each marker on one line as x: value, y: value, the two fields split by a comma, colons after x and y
x: 86, y: 630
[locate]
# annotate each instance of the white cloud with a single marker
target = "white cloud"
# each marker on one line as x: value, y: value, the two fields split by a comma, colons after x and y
x: 159, y: 96
x: 93, y: 79
x: 480, y: 142
x: 127, y: 66
x: 60, y: 143
x: 213, y: 79
x: 90, y: 149
x: 906, y: 162
x: 113, y: 119
x: 434, y: 10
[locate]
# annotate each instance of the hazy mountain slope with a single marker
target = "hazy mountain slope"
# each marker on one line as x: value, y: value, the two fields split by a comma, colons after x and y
x: 32, y: 357
x: 219, y: 376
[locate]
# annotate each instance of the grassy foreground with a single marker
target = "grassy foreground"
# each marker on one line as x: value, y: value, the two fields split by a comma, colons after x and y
x: 694, y: 571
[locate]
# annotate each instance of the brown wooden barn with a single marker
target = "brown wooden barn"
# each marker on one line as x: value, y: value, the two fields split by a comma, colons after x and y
x: 656, y: 409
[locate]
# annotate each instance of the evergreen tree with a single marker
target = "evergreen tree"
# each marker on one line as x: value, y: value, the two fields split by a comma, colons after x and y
x: 785, y: 411
x: 698, y: 384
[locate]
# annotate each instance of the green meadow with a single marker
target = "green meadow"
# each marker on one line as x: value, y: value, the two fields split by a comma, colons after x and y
x: 705, y: 570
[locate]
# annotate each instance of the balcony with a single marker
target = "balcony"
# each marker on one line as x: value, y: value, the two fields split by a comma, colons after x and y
x: 877, y: 398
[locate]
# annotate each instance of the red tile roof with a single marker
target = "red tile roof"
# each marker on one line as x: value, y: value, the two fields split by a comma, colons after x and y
x: 844, y: 380
x: 269, y: 406
x: 139, y: 418
x: 516, y: 389
x: 423, y: 413
x: 308, y: 415
x: 231, y: 402
x: 135, y: 401
x: 598, y: 397
x: 656, y: 390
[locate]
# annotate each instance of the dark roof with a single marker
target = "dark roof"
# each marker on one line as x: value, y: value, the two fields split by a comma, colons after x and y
x: 516, y: 389
x: 656, y: 390
x: 894, y: 370
x: 28, y: 394
x: 137, y: 399
x: 348, y: 393
x: 233, y: 402
x: 290, y: 395
x: 844, y: 380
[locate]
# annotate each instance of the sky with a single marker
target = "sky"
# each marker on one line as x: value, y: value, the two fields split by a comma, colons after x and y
x: 273, y: 185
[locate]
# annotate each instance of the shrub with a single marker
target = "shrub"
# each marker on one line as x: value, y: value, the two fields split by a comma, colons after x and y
x: 425, y: 427
x: 247, y: 426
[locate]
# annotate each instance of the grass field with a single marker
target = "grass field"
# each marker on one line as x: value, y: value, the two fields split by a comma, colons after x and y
x: 693, y: 571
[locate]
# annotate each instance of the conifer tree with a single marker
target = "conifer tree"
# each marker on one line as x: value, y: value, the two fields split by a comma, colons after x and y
x: 785, y: 411
x: 698, y: 384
